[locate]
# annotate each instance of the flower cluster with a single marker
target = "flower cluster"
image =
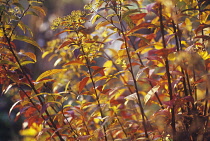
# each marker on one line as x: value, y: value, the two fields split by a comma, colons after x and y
x: 74, y: 20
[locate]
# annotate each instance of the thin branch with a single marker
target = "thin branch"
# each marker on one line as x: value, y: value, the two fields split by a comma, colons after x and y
x: 167, y: 72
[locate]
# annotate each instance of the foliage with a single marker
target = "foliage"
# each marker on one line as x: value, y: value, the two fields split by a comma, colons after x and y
x: 129, y: 71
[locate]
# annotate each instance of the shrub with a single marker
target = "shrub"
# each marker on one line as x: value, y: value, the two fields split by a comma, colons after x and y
x: 130, y: 71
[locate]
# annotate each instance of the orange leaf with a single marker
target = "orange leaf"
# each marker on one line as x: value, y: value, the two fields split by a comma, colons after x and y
x: 76, y: 62
x: 83, y: 83
x: 37, y: 8
x: 31, y: 55
x: 137, y: 17
x: 140, y: 26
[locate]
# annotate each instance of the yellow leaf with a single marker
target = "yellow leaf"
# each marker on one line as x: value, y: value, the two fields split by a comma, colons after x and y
x: 32, y: 130
x: 204, y: 54
x: 45, y: 54
x: 108, y: 65
x: 188, y: 25
x: 26, y: 63
x: 49, y: 72
x: 158, y: 46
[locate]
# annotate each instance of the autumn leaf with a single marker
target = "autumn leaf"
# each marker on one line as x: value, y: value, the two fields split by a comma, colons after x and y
x: 49, y: 73
x: 74, y: 62
x: 83, y: 83
x: 27, y: 40
x: 137, y: 18
x: 98, y: 70
x: 151, y: 93
x: 39, y: 9
x: 31, y: 55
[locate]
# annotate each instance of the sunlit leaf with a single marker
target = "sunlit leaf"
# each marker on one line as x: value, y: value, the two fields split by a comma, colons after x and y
x: 151, y: 93
x: 204, y: 54
x: 49, y: 73
x: 27, y: 62
x: 132, y: 97
x: 13, y: 106
x: 95, y: 18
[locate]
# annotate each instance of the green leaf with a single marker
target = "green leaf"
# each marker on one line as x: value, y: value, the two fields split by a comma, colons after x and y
x: 49, y: 72
x: 2, y: 62
x: 27, y: 40
x: 24, y: 28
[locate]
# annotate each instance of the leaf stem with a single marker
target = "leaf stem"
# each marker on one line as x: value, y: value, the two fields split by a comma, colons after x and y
x: 94, y: 87
x: 167, y: 72
x: 134, y: 80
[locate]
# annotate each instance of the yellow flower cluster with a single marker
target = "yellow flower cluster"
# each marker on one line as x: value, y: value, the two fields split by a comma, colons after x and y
x: 73, y: 20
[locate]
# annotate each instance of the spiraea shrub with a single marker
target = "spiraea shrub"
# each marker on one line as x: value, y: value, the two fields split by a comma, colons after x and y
x: 124, y: 70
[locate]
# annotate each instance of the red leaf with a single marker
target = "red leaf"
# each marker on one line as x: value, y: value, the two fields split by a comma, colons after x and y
x: 162, y: 52
x: 100, y: 88
x: 169, y: 103
x: 203, y: 37
x: 199, y: 81
x: 83, y: 83
x: 98, y: 69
